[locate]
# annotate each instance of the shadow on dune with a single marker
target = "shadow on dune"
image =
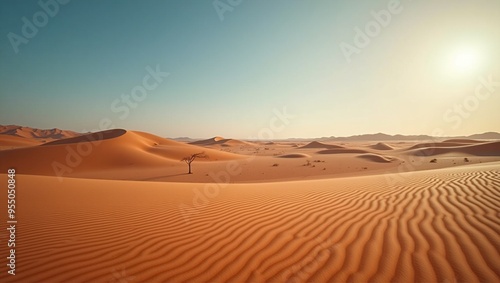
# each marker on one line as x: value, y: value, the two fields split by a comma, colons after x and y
x: 99, y: 136
x: 163, y: 176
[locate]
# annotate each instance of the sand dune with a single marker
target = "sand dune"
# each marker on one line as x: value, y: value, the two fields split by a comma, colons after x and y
x: 7, y: 141
x: 465, y: 141
x: 342, y: 150
x: 126, y: 155
x: 220, y: 141
x: 27, y: 132
x: 381, y: 146
x: 294, y: 155
x: 271, y: 215
x: 435, y: 225
x: 480, y: 149
x: 98, y: 136
x: 210, y: 141
x: 377, y: 158
x: 431, y: 226
x: 316, y: 144
x: 450, y: 143
x: 107, y: 150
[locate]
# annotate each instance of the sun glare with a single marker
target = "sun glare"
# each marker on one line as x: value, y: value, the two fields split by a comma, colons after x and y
x: 465, y: 60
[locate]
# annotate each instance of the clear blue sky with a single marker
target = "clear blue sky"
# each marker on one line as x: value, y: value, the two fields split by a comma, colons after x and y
x: 226, y: 77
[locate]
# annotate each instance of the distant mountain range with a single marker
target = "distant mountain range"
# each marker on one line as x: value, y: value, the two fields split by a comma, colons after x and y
x: 385, y: 137
x: 28, y: 132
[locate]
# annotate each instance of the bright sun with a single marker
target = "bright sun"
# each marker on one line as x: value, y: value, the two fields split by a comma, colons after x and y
x: 465, y: 60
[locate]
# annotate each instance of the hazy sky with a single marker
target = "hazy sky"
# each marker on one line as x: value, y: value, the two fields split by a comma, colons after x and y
x: 338, y: 67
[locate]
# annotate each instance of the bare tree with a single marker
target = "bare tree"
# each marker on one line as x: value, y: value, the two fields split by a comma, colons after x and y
x: 192, y: 157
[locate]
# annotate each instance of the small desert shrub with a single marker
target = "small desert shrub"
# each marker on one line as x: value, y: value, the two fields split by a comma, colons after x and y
x: 276, y: 165
x: 433, y: 160
x: 466, y: 159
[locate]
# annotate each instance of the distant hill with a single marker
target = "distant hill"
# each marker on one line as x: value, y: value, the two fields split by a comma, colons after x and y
x: 33, y: 133
x: 485, y: 136
x: 55, y: 134
x: 220, y: 141
x: 386, y: 137
x: 382, y: 137
x: 184, y: 139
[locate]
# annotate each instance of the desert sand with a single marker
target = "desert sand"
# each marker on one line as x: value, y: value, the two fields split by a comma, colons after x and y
x: 119, y: 206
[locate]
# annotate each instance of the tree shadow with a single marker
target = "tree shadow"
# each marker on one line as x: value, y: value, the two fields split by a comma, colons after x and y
x: 165, y: 176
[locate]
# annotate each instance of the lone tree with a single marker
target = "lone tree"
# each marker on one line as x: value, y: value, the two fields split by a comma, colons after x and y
x: 192, y: 157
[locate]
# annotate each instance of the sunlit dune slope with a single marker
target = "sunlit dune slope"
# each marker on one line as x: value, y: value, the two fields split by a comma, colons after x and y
x: 112, y: 149
x: 432, y: 226
x: 220, y: 141
x: 316, y: 144
x: 477, y: 149
x: 381, y: 146
x: 7, y: 141
x: 32, y: 133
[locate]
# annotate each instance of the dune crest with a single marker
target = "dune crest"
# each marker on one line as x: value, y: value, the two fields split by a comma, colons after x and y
x: 449, y: 144
x: 91, y: 137
x: 7, y: 141
x: 342, y: 150
x: 381, y: 146
x: 377, y: 158
x: 28, y: 132
x: 479, y: 149
x: 294, y: 155
x: 103, y: 151
x: 462, y: 141
x: 222, y: 142
x: 316, y: 144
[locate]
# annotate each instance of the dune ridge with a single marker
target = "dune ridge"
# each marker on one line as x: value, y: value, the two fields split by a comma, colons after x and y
x: 13, y: 141
x: 479, y: 149
x: 316, y: 144
x: 294, y: 155
x: 111, y: 149
x: 381, y: 146
x: 463, y: 141
x: 90, y: 137
x: 376, y: 158
x: 342, y: 150
x: 440, y: 226
x: 221, y: 142
x: 28, y: 132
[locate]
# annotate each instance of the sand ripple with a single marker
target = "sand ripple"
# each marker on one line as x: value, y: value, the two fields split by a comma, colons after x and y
x: 439, y: 226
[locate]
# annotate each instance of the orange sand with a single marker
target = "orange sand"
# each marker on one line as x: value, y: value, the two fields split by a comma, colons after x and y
x: 253, y: 211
